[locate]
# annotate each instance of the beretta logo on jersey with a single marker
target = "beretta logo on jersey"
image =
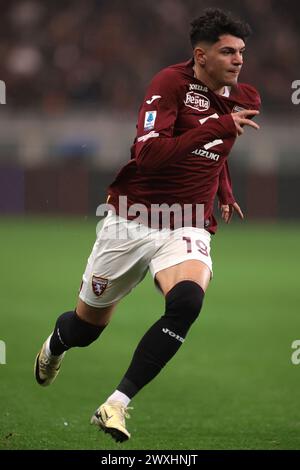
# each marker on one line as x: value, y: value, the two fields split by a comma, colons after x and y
x: 150, y: 117
x: 99, y: 285
x: 197, y: 101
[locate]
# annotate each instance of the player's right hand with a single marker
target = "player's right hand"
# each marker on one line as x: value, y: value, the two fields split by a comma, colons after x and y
x: 240, y: 119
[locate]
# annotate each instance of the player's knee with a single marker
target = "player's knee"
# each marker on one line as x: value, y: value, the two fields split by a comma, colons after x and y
x: 184, y: 302
x: 76, y: 332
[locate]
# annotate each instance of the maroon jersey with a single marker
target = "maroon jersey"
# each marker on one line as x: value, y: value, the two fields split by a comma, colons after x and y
x: 185, y: 132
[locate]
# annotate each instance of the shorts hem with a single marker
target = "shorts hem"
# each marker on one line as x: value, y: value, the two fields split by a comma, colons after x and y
x: 178, y: 261
x: 96, y: 304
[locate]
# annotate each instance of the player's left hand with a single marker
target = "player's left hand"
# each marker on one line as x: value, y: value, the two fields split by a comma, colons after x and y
x: 227, y: 211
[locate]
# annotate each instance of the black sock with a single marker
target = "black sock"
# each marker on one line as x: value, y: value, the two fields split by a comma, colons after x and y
x: 71, y: 331
x: 164, y: 338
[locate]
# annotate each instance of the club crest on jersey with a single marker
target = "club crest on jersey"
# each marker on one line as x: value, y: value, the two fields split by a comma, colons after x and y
x: 99, y: 285
x: 197, y: 101
x: 150, y: 117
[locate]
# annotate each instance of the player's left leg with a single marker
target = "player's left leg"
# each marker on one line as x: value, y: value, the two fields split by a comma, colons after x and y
x: 184, y: 286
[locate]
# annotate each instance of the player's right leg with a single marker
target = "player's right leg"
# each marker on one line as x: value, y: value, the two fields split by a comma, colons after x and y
x: 119, y: 261
x: 77, y: 328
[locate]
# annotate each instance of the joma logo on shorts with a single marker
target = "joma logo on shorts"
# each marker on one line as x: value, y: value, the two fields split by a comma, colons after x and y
x: 174, y: 335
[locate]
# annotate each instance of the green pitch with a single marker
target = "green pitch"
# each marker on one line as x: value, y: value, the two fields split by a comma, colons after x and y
x: 231, y: 386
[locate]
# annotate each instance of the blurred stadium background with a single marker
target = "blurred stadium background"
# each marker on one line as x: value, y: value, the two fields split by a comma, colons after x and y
x: 75, y: 74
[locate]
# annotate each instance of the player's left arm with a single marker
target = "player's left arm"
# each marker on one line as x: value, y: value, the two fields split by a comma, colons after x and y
x: 227, y: 203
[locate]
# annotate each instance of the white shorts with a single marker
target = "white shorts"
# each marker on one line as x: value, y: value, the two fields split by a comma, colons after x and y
x: 124, y: 251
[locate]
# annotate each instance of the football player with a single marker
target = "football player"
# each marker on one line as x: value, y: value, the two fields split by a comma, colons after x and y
x: 189, y: 120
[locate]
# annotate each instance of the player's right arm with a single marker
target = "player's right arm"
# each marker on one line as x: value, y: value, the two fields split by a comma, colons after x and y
x: 227, y: 203
x: 155, y: 145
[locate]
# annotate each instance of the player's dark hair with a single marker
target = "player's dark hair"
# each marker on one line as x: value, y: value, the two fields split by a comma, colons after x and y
x: 213, y: 23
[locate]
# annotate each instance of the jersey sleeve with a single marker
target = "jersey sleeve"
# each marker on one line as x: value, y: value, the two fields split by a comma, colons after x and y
x: 225, y: 193
x: 249, y: 96
x: 155, y: 145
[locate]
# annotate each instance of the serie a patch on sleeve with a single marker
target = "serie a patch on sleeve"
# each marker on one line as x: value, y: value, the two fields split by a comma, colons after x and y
x: 150, y: 117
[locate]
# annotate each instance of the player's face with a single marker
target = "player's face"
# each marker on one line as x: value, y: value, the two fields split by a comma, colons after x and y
x: 224, y: 60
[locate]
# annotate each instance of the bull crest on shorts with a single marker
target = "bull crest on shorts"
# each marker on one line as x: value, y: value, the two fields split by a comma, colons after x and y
x: 99, y: 285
